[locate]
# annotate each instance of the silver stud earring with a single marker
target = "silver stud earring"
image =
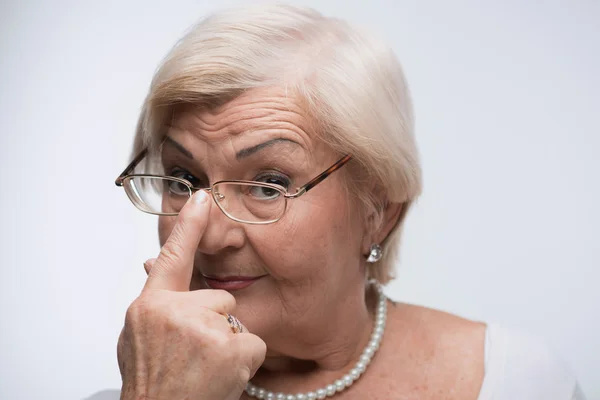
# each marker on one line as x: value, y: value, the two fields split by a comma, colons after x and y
x: 375, y: 253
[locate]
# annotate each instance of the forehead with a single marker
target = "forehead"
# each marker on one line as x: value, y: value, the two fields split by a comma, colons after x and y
x: 262, y: 113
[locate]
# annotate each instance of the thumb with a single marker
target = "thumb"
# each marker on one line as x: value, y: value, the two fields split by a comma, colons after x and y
x: 149, y: 264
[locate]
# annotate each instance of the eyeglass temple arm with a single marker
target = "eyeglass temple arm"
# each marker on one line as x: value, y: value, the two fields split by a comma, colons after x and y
x: 321, y: 177
x: 131, y: 166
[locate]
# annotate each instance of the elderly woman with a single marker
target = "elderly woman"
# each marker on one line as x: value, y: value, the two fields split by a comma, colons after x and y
x: 277, y: 147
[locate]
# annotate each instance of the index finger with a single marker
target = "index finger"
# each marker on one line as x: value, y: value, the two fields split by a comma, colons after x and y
x: 172, y: 270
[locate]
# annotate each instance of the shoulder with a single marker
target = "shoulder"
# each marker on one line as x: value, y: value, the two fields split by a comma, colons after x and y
x: 440, y: 352
x: 475, y: 360
x: 521, y: 365
x: 105, y: 395
x: 445, y: 332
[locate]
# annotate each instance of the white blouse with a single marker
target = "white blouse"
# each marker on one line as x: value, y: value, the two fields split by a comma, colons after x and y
x: 520, y: 366
x: 517, y: 367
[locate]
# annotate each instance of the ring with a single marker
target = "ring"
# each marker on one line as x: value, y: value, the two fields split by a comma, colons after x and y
x: 234, y: 323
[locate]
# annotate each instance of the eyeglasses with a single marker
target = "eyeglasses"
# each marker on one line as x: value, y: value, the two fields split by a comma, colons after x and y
x: 248, y: 202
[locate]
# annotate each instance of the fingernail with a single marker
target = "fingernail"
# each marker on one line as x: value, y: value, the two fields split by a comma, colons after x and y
x: 200, y: 197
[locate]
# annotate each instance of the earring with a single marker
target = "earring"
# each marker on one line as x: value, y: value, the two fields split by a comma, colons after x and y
x: 375, y: 253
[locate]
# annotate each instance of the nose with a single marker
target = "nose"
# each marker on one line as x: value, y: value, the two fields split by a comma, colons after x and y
x: 221, y: 231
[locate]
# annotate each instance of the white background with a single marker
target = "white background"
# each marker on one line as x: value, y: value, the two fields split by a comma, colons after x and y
x: 507, y: 97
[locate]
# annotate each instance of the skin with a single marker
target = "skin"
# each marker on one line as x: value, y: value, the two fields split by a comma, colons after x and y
x: 310, y: 308
x: 169, y: 329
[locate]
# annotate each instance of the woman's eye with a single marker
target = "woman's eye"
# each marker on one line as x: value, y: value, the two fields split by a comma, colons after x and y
x: 278, y: 180
x: 179, y: 188
x: 268, y: 193
x: 264, y: 193
x: 183, y: 174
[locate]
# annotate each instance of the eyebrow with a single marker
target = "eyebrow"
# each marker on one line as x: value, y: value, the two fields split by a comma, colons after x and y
x: 240, y: 154
x: 254, y: 149
x: 179, y: 147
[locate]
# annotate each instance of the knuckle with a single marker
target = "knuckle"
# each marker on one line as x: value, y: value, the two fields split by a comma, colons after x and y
x: 185, y: 224
x: 134, y: 312
x: 262, y: 347
x: 244, y: 373
x: 140, y: 308
x: 209, y: 339
x: 171, y: 252
x: 228, y: 299
x: 220, y: 341
x: 121, y: 343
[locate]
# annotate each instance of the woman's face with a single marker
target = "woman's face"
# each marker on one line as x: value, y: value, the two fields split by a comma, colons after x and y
x: 310, y: 260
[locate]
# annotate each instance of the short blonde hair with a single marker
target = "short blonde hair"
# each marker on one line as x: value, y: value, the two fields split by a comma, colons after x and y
x: 349, y: 81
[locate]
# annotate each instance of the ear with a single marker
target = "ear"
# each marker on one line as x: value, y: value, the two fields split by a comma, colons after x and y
x: 380, y: 224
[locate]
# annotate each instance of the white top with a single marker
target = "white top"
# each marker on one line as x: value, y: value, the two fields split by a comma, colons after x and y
x: 517, y: 367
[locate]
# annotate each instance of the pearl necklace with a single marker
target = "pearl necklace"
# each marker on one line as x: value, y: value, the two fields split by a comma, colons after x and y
x: 347, y: 380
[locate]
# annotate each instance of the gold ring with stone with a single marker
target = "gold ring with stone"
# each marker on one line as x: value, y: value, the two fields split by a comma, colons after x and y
x: 234, y: 323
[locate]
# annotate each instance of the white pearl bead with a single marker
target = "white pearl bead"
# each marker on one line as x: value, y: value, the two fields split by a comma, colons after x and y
x: 375, y: 337
x: 355, y: 373
x: 347, y: 380
x: 369, y: 351
x: 280, y: 396
x: 300, y: 396
x: 311, y: 396
x: 270, y: 396
x: 339, y: 385
x: 331, y: 389
x: 290, y: 397
x: 321, y: 394
x: 365, y: 359
x: 252, y: 391
x: 261, y: 394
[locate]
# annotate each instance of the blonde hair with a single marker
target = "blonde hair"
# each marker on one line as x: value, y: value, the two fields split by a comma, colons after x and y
x: 350, y: 82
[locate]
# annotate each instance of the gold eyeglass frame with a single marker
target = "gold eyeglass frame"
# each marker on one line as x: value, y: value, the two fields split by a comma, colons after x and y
x: 126, y: 175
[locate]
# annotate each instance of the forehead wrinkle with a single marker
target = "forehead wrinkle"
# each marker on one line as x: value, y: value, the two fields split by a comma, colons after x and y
x: 270, y: 100
x: 243, y: 119
x: 269, y: 125
x: 269, y: 113
x: 277, y: 99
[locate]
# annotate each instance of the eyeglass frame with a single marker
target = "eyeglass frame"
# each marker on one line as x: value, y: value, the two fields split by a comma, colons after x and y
x: 299, y: 191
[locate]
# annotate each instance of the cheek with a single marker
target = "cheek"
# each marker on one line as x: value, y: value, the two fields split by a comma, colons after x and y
x: 315, y: 239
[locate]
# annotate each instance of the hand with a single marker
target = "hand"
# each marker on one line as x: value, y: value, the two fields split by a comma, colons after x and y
x: 176, y: 344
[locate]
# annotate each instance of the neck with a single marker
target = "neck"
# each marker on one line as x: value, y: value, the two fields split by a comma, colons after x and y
x: 324, y: 352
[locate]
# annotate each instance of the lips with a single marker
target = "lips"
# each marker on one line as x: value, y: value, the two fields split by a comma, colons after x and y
x: 230, y: 282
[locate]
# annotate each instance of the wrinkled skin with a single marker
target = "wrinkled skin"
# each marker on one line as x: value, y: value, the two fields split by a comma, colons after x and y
x: 176, y: 344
